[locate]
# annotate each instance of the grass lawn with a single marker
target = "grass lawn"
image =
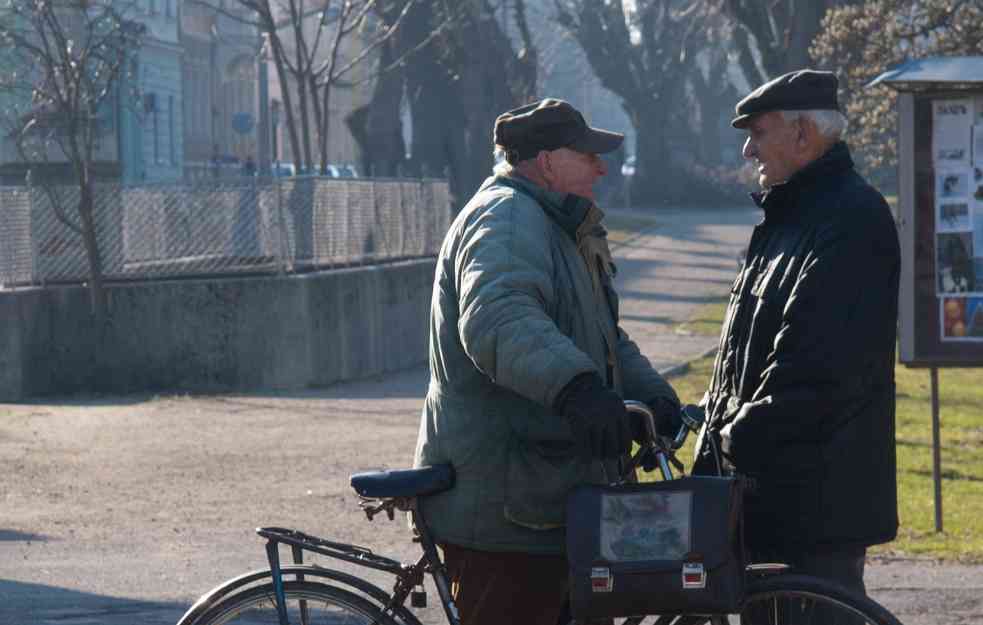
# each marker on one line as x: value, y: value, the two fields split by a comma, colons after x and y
x: 961, y: 413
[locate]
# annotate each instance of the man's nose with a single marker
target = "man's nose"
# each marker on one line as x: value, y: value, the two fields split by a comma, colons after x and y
x: 749, y: 150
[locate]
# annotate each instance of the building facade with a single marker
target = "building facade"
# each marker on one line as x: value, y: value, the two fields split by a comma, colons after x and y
x: 150, y: 136
x: 221, y: 109
x: 186, y: 106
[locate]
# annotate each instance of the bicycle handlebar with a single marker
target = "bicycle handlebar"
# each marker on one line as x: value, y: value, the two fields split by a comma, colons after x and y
x: 664, y: 447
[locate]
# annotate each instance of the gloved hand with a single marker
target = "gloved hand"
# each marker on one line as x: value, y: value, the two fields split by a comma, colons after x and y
x: 597, y: 417
x: 668, y: 416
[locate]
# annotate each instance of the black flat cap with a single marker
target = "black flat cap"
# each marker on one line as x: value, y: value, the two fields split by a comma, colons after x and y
x: 803, y: 90
x: 550, y: 124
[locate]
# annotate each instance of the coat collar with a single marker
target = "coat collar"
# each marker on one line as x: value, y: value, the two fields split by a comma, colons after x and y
x: 566, y: 209
x: 776, y: 200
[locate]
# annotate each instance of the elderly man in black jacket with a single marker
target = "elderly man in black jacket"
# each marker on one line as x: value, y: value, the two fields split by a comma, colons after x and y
x: 802, y: 394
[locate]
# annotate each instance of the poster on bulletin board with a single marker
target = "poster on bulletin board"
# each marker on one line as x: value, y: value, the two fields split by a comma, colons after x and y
x: 957, y: 177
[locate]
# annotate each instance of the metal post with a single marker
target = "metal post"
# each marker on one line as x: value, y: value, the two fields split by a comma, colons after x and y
x: 936, y: 450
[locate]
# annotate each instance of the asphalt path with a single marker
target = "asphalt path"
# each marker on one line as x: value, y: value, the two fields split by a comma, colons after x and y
x: 123, y: 510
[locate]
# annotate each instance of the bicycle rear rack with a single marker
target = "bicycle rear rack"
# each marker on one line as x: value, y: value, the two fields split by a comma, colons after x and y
x: 300, y: 542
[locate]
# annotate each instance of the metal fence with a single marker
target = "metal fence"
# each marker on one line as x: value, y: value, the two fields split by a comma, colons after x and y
x: 221, y: 227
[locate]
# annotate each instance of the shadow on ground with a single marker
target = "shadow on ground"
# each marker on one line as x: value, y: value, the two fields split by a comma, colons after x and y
x: 17, y: 536
x: 37, y: 604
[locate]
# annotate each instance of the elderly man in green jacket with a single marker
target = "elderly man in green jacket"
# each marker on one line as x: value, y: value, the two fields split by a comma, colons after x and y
x: 528, y: 367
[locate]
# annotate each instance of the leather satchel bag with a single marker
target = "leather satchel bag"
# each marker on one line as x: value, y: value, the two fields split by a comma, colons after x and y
x: 671, y: 547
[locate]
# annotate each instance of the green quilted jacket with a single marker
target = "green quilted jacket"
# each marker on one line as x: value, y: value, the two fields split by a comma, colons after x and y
x: 515, y: 315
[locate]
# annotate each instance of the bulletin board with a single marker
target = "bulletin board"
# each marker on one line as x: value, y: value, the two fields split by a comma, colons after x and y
x: 941, y: 189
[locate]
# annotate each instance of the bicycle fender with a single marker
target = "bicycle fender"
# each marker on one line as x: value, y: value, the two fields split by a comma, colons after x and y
x: 228, y: 587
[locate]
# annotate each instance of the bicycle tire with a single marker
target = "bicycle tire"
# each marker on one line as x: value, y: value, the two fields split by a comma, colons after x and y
x: 326, y: 605
x: 814, y: 590
x: 790, y: 599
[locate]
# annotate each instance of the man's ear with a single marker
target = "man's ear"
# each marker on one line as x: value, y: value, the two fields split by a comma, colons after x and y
x: 808, y: 133
x: 545, y: 165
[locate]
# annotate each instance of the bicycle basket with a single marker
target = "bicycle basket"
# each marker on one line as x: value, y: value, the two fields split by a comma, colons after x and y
x: 673, y: 547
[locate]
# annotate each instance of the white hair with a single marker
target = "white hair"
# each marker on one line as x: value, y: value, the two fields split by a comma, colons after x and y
x: 831, y: 124
x: 502, y: 166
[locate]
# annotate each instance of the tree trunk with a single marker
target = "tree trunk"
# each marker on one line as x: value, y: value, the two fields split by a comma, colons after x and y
x: 284, y: 76
x: 377, y: 127
x: 803, y: 27
x: 305, y: 122
x: 456, y: 87
x: 97, y: 294
x: 322, y: 112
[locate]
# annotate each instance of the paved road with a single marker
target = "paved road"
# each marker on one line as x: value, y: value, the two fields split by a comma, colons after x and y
x: 122, y: 510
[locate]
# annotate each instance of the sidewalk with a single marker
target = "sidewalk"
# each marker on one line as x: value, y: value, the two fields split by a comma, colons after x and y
x: 665, y: 275
x: 123, y: 510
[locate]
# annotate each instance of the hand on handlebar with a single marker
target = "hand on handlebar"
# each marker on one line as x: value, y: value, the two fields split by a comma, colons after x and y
x: 668, y: 416
x: 597, y: 417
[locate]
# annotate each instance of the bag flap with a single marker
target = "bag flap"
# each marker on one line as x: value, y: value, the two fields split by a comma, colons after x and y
x: 654, y: 526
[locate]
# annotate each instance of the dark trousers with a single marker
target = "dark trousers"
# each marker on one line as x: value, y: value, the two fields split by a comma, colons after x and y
x: 509, y: 588
x: 496, y: 588
x: 844, y: 566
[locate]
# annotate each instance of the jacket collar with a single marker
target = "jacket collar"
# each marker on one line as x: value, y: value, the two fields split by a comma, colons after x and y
x: 566, y: 209
x: 776, y: 200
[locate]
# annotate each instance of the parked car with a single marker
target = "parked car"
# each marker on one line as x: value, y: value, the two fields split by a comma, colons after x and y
x: 279, y: 170
x: 338, y: 170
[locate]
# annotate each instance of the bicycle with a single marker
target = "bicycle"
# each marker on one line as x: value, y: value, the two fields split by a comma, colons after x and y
x: 310, y: 594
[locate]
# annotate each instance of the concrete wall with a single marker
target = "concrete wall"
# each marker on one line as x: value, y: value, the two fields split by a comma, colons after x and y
x: 231, y: 334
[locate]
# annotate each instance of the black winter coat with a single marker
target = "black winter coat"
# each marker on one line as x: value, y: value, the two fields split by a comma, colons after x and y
x: 803, y: 385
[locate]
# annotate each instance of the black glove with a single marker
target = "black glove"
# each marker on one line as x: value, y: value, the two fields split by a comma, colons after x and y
x: 668, y: 416
x: 597, y: 417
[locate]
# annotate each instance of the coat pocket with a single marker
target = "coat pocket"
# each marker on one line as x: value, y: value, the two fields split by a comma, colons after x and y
x: 539, y: 476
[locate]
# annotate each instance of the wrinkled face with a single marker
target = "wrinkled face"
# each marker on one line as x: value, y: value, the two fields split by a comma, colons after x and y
x: 774, y: 144
x: 569, y: 171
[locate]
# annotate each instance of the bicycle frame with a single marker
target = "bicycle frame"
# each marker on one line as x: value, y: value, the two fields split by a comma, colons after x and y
x: 408, y: 576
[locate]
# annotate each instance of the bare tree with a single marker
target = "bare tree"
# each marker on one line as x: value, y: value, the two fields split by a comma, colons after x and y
x: 316, y: 46
x: 774, y: 36
x: 464, y: 70
x: 860, y: 42
x: 644, y: 51
x: 64, y: 63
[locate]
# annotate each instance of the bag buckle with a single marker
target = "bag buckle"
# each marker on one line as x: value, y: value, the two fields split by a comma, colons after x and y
x: 694, y: 576
x: 601, y: 579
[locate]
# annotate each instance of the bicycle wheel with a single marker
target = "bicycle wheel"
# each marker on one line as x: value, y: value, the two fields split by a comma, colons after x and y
x: 804, y: 600
x: 308, y: 603
x: 789, y: 600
